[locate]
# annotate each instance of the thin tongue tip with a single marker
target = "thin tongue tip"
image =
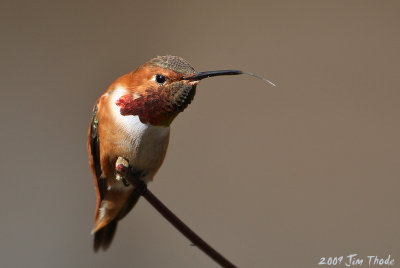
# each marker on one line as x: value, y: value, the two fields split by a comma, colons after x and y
x: 260, y: 77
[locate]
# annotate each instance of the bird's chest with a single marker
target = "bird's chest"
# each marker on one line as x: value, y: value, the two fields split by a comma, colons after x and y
x: 143, y: 145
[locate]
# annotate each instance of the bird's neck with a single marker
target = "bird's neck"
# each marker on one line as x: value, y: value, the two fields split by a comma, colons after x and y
x: 127, y: 122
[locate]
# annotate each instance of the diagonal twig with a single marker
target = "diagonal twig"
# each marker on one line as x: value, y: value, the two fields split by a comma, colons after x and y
x: 125, y: 171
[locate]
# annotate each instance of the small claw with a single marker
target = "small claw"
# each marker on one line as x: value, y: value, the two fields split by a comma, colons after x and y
x: 125, y: 182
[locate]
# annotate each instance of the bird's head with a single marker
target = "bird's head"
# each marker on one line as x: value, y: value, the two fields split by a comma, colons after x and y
x: 162, y: 88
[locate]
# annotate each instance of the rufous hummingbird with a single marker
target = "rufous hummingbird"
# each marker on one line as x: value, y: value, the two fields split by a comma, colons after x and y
x: 132, y: 120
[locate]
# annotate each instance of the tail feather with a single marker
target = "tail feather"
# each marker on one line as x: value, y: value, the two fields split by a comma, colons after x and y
x: 104, y: 229
x: 104, y: 236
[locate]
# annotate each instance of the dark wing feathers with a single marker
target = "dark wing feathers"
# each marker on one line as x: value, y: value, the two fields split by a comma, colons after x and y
x: 104, y: 236
x: 95, y: 153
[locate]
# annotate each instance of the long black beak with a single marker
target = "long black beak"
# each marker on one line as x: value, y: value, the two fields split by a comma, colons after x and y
x: 201, y: 75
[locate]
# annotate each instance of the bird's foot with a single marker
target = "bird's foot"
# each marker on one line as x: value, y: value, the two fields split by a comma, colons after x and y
x: 122, y: 168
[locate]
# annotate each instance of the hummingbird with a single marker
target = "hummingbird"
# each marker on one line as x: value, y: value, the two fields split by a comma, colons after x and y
x: 132, y: 120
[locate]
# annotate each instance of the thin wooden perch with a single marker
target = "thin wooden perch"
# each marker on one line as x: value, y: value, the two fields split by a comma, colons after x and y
x: 127, y: 175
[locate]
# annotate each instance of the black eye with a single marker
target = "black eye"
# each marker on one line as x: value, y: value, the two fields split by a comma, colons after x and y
x: 160, y: 78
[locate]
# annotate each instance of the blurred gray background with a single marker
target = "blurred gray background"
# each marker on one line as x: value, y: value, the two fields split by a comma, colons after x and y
x: 271, y: 177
